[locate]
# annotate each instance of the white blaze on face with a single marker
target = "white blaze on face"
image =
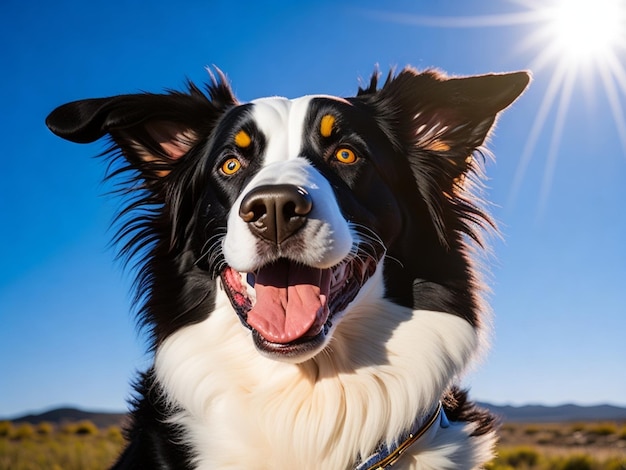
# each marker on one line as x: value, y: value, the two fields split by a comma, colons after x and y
x: 327, y: 237
x: 282, y: 123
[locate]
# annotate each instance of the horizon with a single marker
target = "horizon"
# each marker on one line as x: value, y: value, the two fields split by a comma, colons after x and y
x: 118, y: 411
x: 558, y: 270
x: 546, y: 413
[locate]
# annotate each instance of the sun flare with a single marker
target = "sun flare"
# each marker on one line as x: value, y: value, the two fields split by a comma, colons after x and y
x: 575, y: 40
x: 584, y: 29
x: 570, y: 42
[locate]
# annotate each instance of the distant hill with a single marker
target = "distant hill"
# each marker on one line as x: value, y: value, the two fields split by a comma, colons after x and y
x: 516, y: 414
x: 71, y: 415
x: 557, y: 414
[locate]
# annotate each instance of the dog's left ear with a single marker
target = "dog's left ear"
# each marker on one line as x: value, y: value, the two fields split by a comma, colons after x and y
x: 448, y: 117
x: 153, y: 132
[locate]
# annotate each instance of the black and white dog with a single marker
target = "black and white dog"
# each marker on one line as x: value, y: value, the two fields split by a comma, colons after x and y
x: 305, y: 271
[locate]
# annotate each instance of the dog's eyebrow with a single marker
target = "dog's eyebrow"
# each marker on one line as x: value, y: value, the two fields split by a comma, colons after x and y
x: 326, y: 125
x: 242, y: 139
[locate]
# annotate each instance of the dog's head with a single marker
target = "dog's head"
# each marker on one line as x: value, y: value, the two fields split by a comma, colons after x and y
x: 296, y: 204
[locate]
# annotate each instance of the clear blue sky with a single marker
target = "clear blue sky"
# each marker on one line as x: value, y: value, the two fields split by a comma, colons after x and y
x: 558, y: 273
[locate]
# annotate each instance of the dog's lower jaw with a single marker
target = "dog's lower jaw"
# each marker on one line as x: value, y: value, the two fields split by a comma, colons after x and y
x: 242, y: 410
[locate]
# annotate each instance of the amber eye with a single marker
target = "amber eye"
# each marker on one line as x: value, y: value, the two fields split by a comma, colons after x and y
x: 231, y: 166
x: 345, y: 156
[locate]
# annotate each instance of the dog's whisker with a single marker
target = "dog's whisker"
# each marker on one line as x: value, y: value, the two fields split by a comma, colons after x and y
x: 212, y: 254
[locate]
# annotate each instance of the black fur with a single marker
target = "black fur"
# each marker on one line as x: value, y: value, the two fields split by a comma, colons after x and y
x: 460, y: 409
x: 441, y: 277
x: 152, y: 440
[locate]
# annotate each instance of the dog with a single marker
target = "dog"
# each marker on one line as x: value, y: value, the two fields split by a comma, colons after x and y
x: 306, y: 269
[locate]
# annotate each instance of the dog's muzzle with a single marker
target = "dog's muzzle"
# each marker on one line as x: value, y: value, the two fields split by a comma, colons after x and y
x: 288, y: 304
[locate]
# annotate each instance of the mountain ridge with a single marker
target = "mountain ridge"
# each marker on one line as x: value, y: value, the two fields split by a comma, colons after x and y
x: 507, y: 413
x: 68, y: 414
x: 558, y: 413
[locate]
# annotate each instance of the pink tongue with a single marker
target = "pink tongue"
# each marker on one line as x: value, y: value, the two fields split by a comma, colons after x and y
x: 290, y: 301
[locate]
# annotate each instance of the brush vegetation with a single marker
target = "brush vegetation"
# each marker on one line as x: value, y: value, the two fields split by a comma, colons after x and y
x: 562, y: 446
x: 83, y: 446
x: 71, y: 446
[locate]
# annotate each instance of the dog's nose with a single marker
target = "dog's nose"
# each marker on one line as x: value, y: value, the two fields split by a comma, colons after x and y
x: 275, y: 212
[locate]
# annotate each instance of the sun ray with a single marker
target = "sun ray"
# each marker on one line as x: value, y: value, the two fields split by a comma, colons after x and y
x: 505, y: 19
x: 557, y: 133
x: 544, y: 59
x: 615, y: 74
x: 538, y: 126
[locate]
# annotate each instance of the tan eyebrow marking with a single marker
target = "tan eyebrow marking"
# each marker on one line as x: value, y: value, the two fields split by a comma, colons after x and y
x: 242, y: 139
x: 326, y: 125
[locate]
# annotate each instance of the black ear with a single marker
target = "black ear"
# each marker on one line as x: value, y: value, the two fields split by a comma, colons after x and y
x: 437, y: 123
x: 152, y: 131
x: 446, y: 117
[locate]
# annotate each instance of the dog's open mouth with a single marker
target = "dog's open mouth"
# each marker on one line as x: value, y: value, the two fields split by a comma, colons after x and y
x: 293, y: 305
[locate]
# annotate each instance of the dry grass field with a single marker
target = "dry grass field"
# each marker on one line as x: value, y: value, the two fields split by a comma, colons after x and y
x: 82, y: 446
x: 562, y: 446
x: 75, y: 446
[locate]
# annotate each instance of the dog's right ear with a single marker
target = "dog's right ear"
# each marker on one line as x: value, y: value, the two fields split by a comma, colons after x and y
x: 152, y: 131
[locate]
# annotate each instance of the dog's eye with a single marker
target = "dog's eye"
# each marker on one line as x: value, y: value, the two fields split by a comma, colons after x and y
x: 345, y: 156
x: 231, y: 166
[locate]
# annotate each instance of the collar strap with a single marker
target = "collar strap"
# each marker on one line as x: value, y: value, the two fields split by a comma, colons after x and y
x: 386, y: 457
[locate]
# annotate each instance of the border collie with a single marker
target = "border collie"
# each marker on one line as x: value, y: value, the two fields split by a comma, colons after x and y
x: 305, y: 270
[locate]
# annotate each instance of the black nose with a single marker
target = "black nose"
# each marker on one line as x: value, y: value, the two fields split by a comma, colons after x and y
x: 275, y: 212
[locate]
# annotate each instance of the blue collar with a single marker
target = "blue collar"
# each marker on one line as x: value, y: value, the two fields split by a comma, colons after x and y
x: 385, y: 457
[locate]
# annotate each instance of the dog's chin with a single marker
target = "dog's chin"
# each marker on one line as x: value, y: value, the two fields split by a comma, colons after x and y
x: 305, y: 303
x: 295, y: 351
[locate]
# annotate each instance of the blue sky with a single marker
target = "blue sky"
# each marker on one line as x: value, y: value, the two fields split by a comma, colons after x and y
x: 558, y: 273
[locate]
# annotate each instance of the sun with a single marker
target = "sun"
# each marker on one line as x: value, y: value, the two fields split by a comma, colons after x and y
x: 574, y: 40
x: 576, y: 34
x: 571, y: 42
x: 583, y: 30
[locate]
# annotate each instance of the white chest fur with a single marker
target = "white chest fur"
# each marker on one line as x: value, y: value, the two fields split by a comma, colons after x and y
x: 384, y: 366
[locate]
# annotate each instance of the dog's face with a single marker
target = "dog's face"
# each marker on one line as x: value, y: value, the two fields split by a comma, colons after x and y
x: 292, y: 206
x: 307, y: 228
